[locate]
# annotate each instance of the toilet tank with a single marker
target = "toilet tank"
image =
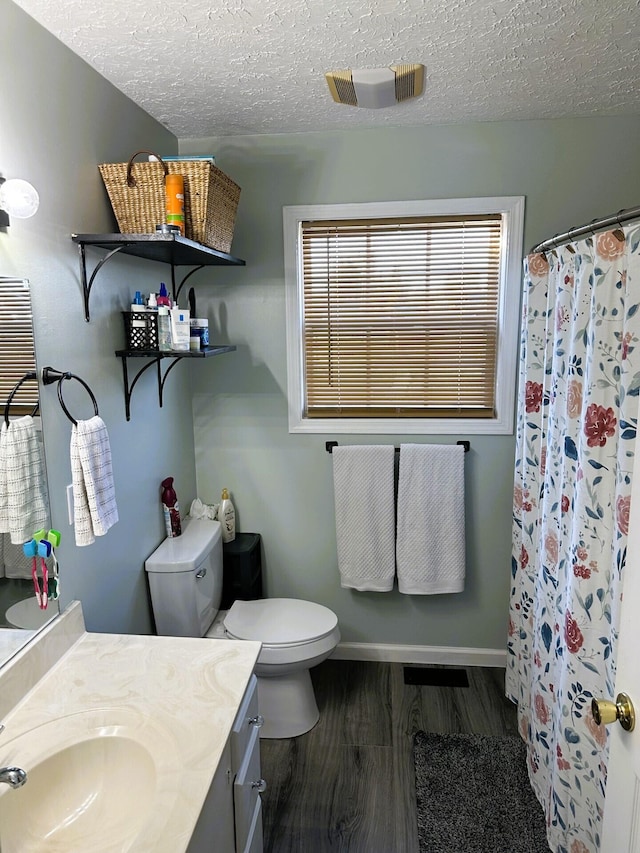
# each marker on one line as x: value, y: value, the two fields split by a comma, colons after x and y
x: 185, y: 579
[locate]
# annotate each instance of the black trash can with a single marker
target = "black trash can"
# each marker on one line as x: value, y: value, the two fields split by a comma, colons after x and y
x: 242, y: 565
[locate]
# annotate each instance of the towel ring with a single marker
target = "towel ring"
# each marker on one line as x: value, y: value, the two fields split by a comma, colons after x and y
x: 89, y: 392
x: 31, y: 375
x: 49, y: 375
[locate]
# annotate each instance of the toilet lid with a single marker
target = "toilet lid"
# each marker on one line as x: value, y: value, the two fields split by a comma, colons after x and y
x: 273, y: 621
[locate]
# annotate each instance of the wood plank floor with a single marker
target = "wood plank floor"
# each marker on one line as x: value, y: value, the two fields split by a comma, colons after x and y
x: 348, y: 784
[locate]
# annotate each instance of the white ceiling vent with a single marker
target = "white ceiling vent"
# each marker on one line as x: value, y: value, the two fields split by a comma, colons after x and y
x: 374, y: 88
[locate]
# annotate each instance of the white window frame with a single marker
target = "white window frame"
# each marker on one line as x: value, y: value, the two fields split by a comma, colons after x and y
x: 512, y: 210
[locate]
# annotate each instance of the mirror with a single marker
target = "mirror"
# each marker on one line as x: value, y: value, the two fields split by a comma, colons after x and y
x: 22, y: 473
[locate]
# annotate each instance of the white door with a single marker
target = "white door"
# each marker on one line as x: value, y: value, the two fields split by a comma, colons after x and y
x: 621, y: 832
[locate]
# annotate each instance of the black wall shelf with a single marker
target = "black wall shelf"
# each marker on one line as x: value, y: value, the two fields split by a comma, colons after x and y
x: 166, y: 248
x: 156, y: 357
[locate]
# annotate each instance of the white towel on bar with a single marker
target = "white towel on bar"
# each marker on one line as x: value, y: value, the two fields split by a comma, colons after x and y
x: 24, y: 503
x: 94, y: 497
x: 365, y: 516
x: 430, y: 547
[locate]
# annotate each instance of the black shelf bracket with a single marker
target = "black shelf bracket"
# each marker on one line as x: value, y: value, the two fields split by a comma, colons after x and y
x: 155, y: 357
x: 128, y: 389
x: 88, y: 284
x: 162, y: 380
x: 176, y: 292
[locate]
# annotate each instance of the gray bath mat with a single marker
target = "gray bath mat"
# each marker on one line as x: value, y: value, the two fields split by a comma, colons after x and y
x: 474, y: 796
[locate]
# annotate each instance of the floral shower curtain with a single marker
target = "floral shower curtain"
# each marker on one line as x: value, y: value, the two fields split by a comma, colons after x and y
x: 577, y: 416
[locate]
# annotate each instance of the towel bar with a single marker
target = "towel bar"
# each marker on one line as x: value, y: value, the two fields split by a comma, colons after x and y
x: 331, y: 444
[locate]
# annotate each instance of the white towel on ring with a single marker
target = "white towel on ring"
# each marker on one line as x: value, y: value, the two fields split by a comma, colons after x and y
x: 94, y: 498
x: 365, y: 516
x: 24, y: 502
x: 430, y: 546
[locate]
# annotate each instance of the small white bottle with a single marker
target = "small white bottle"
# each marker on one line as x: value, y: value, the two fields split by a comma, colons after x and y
x: 227, y: 517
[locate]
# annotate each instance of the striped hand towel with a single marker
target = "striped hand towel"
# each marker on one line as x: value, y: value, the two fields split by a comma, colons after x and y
x: 94, y: 498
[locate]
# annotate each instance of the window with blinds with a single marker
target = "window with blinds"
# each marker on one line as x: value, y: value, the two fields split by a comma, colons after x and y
x: 403, y: 317
x: 17, y: 355
x: 400, y: 316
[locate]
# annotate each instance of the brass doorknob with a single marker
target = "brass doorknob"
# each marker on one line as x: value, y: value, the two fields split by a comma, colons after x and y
x: 605, y: 712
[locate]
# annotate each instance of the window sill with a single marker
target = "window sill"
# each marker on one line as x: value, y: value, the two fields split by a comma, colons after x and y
x: 401, y: 426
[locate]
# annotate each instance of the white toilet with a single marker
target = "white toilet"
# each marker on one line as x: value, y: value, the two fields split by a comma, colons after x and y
x: 185, y: 579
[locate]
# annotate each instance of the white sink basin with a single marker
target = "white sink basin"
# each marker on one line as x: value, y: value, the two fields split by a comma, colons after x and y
x: 94, y: 783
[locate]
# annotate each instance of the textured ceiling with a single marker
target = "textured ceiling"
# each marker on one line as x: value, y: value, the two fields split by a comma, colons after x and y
x: 230, y: 67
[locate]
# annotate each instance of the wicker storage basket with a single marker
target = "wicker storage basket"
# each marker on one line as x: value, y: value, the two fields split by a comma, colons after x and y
x: 137, y: 195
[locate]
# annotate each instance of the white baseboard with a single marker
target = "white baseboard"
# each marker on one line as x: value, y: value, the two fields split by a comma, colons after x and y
x: 452, y: 655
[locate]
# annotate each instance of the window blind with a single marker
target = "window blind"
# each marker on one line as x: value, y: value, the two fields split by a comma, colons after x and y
x: 17, y: 355
x: 400, y: 316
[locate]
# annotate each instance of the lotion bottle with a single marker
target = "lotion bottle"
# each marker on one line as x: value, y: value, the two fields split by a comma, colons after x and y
x: 180, y: 329
x: 227, y: 517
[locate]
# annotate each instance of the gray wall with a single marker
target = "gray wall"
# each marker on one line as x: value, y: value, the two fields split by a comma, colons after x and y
x: 59, y: 119
x: 570, y: 172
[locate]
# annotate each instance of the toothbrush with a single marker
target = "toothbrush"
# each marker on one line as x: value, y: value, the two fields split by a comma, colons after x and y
x: 31, y: 550
x: 42, y: 592
x: 44, y: 550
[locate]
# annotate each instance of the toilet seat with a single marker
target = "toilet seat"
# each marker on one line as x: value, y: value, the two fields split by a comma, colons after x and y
x: 280, y: 622
x: 295, y: 636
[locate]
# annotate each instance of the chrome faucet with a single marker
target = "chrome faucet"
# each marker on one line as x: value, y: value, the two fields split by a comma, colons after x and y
x: 13, y: 776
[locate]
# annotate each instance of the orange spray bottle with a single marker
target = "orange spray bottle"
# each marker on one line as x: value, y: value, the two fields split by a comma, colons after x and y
x: 174, y: 186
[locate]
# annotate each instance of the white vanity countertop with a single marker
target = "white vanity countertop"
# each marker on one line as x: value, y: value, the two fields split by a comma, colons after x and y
x: 182, y: 694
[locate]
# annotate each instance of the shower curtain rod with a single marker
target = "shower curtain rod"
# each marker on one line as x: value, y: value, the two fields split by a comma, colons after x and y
x: 596, y: 225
